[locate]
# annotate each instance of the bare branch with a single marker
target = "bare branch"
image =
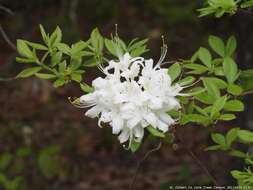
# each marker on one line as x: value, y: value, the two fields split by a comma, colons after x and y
x: 7, y: 10
x: 140, y: 163
x: 6, y: 38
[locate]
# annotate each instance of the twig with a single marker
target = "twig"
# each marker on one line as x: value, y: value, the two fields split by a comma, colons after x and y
x: 197, y: 160
x: 247, y: 93
x: 6, y: 38
x: 7, y: 10
x: 7, y: 79
x: 140, y: 164
x: 202, y: 166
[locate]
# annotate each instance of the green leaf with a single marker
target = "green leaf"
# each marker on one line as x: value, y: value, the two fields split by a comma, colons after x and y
x: 45, y: 76
x: 112, y: 47
x: 174, y: 71
x: 78, y: 47
x: 211, y: 87
x: 214, y: 147
x: 237, y: 153
x: 134, y: 146
x: 62, y: 67
x: 245, y: 135
x: 221, y: 84
x: 231, y: 46
x: 231, y: 136
x: 24, y: 60
x: 204, y: 98
x: 196, y: 68
x: 56, y: 37
x: 59, y: 82
x: 218, y: 105
x: 186, y: 81
x: 43, y: 34
x: 97, y: 40
x: 227, y: 117
x: 86, y: 88
x: 217, y: 45
x: 23, y: 49
x: 76, y: 77
x: 91, y: 63
x: 205, y: 57
x: 234, y: 89
x: 138, y: 51
x: 230, y: 69
x: 28, y: 72
x: 247, y: 4
x: 135, y: 45
x: 56, y: 58
x: 155, y: 132
x: 219, y: 139
x: 196, y: 118
x: 36, y: 45
x: 64, y: 48
x: 234, y: 105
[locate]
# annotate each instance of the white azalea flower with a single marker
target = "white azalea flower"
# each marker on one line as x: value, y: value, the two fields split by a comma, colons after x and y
x: 133, y: 95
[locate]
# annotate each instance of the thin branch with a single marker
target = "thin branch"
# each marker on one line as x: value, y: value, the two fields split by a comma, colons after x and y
x: 140, y: 164
x: 7, y: 79
x: 6, y: 38
x: 190, y: 152
x: 247, y: 93
x: 197, y: 160
x: 7, y: 10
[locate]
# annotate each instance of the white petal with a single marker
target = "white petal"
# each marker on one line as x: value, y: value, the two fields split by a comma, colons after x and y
x: 162, y: 126
x: 88, y: 98
x: 138, y: 132
x: 117, y: 125
x: 151, y: 119
x: 133, y: 122
x: 124, y: 136
x: 93, y: 112
x: 166, y: 118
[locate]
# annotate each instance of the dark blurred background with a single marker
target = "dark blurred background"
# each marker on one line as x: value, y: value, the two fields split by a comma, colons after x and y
x: 47, y: 144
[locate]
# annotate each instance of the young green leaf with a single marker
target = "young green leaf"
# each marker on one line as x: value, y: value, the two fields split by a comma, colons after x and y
x: 234, y: 105
x: 86, y: 88
x: 196, y: 68
x: 217, y: 45
x: 218, y: 105
x: 44, y: 35
x: 45, y: 76
x: 64, y: 48
x: 245, y: 135
x: 219, y: 139
x: 227, y: 117
x: 174, y: 71
x: 212, y: 88
x: 59, y: 82
x: 231, y: 46
x: 97, y: 40
x: 155, y: 132
x: 28, y: 72
x: 187, y: 80
x: 234, y: 89
x: 231, y: 136
x: 23, y: 49
x: 230, y: 69
x: 76, y: 77
x: 134, y: 146
x: 205, y: 57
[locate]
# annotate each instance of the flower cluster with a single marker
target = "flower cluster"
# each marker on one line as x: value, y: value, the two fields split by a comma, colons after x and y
x: 133, y: 95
